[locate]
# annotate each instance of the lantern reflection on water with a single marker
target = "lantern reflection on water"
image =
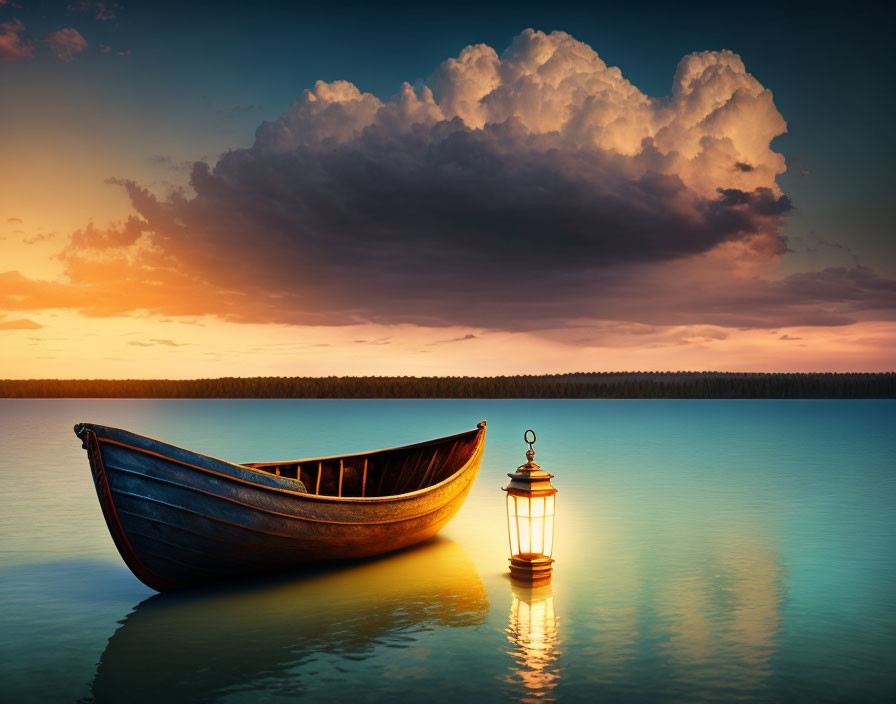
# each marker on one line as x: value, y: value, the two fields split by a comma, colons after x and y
x: 532, y: 631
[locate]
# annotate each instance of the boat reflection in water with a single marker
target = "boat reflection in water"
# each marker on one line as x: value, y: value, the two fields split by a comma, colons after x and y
x: 532, y: 632
x: 201, y: 647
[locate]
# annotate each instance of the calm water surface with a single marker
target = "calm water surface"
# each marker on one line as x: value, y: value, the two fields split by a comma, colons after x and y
x: 706, y: 550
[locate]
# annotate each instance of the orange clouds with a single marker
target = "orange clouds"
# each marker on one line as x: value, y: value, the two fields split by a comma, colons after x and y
x: 20, y: 324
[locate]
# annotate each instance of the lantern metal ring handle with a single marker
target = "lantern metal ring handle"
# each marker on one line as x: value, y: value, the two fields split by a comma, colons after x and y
x: 530, y: 519
x: 526, y: 438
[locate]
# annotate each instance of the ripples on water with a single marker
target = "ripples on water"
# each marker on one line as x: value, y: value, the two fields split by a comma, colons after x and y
x: 705, y: 551
x: 532, y: 632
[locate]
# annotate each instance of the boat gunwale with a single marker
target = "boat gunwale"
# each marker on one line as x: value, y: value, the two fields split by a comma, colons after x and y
x: 295, y: 516
x: 414, y: 446
x: 478, y: 431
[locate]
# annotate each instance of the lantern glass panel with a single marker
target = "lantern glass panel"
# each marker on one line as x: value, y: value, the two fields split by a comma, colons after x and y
x: 530, y: 524
x: 512, y: 526
x: 549, y: 526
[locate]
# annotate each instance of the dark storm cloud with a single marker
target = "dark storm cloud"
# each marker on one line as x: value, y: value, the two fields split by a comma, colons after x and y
x: 420, y: 230
x: 469, y: 204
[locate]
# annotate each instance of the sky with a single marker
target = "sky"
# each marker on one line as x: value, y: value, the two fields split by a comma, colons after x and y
x: 213, y: 189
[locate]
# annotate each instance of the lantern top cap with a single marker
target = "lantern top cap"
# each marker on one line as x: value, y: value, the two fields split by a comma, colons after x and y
x: 530, y: 478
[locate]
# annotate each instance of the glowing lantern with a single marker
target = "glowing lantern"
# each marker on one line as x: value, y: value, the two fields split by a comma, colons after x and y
x: 530, y: 520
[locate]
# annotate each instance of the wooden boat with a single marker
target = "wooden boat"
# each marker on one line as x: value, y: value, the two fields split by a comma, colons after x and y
x: 180, y: 518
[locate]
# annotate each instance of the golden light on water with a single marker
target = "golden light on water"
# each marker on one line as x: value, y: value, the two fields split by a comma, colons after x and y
x: 533, y: 635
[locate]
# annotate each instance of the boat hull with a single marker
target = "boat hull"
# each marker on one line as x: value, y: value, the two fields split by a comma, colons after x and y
x: 180, y: 518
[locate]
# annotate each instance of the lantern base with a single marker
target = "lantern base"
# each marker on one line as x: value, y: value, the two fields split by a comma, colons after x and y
x: 531, y: 569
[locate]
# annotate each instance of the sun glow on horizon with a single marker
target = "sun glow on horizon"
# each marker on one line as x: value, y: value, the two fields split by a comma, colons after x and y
x: 63, y: 344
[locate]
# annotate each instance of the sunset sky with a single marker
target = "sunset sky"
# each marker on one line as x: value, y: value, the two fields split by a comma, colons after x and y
x: 267, y: 189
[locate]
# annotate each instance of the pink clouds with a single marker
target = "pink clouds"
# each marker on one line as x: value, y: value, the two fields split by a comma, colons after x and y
x: 12, y: 45
x: 106, y: 49
x: 66, y: 43
x: 103, y: 11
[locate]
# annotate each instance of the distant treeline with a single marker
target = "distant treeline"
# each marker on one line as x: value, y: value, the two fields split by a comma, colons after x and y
x: 579, y: 385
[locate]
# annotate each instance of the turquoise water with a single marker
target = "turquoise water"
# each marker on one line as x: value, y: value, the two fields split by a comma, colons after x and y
x: 706, y: 550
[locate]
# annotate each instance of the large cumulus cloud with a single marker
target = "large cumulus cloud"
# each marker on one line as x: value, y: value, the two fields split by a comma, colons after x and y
x: 538, y: 185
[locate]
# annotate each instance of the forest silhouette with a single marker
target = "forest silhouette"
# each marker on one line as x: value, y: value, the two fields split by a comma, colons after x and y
x: 575, y: 385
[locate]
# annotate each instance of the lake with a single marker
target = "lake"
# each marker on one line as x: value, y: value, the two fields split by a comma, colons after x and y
x: 706, y: 550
